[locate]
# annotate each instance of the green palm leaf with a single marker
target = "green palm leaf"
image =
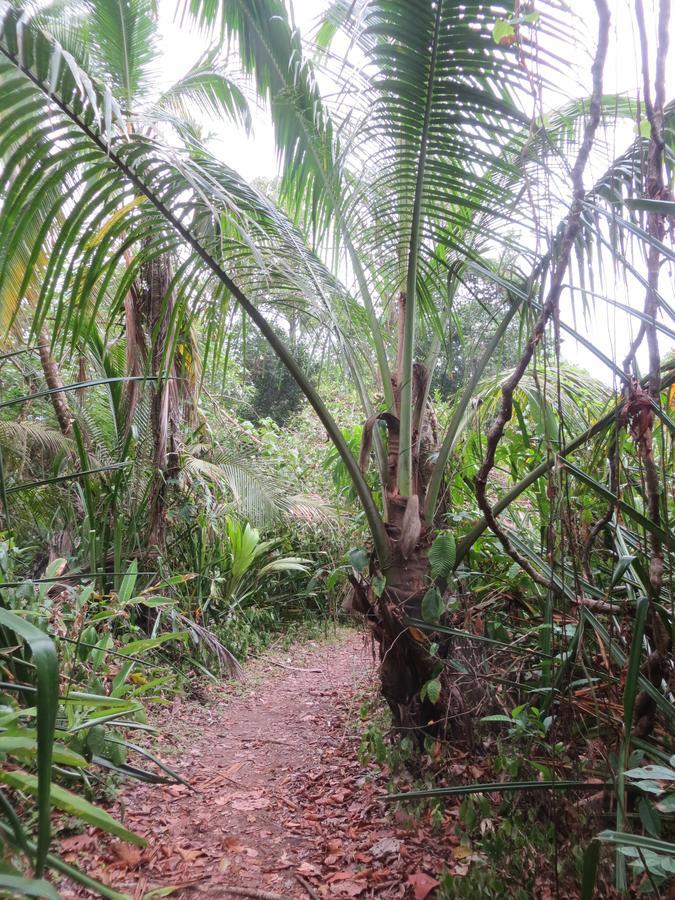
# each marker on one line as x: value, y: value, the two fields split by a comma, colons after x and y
x: 47, y: 677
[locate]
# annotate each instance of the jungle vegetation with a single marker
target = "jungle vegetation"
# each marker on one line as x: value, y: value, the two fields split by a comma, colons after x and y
x: 230, y: 406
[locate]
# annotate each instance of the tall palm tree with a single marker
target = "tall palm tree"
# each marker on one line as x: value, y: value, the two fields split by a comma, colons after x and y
x: 415, y: 177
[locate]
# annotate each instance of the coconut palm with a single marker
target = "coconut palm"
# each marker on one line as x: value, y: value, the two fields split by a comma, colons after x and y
x: 416, y: 174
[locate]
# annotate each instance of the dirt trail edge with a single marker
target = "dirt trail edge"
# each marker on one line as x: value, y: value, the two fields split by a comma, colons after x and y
x: 281, y: 804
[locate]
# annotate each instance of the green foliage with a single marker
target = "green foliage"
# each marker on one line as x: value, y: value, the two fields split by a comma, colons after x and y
x: 418, y: 171
x: 504, y: 849
x: 433, y: 605
x: 39, y: 727
x: 442, y: 555
x: 41, y: 745
x: 650, y: 857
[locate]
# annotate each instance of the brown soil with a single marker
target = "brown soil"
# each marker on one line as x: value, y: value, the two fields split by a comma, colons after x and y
x: 281, y: 804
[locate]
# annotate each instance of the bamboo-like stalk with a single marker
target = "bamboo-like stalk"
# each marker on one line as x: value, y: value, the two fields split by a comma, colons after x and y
x: 405, y: 452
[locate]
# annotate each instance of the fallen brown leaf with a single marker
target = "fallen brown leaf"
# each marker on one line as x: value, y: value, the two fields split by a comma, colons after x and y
x: 127, y: 853
x: 347, y: 889
x: 232, y: 843
x: 189, y: 854
x: 77, y: 842
x: 422, y: 884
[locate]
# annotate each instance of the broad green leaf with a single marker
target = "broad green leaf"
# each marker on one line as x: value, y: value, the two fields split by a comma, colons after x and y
x: 667, y: 805
x: 21, y: 745
x: 71, y: 803
x: 28, y: 887
x: 432, y: 690
x: 358, y: 559
x: 432, y: 606
x: 128, y: 583
x: 47, y: 674
x: 649, y: 817
x: 650, y: 787
x: 657, y: 773
x: 378, y: 584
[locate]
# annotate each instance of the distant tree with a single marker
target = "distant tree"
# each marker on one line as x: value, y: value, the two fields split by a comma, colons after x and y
x: 276, y: 394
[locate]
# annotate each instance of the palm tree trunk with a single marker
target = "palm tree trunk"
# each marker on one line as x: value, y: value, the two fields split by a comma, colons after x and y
x: 54, y: 382
x: 405, y: 663
x: 165, y: 412
x: 136, y: 351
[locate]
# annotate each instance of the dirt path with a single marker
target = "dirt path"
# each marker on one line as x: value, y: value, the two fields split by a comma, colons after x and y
x: 281, y: 804
x: 284, y: 806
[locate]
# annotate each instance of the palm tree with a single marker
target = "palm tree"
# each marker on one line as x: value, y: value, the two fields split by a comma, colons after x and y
x: 118, y: 43
x: 415, y: 179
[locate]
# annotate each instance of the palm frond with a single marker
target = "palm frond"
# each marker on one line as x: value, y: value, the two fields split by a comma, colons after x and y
x: 256, y: 494
x: 205, y: 88
x: 123, y: 34
x: 193, y: 201
x: 271, y: 51
x: 27, y: 437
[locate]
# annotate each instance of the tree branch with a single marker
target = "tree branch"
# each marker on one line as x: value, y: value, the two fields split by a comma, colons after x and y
x: 550, y: 306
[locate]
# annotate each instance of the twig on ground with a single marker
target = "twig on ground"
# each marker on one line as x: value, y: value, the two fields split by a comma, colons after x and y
x: 253, y: 892
x: 308, y: 887
x: 281, y: 665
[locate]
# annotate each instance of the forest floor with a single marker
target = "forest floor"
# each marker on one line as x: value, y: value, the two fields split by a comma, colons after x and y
x: 279, y: 803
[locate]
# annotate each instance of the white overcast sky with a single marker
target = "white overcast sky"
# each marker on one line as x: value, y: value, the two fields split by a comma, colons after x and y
x: 254, y: 155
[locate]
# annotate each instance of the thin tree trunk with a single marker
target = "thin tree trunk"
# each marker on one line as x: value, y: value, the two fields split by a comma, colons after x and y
x: 54, y: 381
